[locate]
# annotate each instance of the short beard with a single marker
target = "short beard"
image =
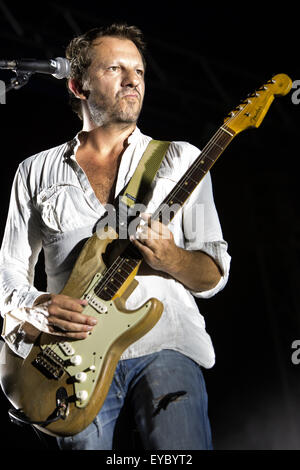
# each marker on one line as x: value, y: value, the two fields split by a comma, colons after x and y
x: 104, y: 113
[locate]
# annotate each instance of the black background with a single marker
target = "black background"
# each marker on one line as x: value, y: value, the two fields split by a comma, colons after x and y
x: 202, y: 60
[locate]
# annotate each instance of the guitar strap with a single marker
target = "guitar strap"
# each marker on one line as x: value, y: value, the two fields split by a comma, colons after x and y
x: 145, y: 172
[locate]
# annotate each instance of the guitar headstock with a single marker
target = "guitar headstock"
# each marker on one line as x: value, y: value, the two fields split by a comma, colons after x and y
x: 251, y: 112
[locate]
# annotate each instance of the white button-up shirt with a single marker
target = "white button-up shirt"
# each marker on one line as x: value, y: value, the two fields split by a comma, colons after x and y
x: 54, y: 207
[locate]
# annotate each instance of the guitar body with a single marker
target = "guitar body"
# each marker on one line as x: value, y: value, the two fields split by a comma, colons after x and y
x: 81, y: 370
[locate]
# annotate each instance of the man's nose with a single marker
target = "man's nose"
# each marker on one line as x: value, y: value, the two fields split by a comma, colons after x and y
x: 131, y: 78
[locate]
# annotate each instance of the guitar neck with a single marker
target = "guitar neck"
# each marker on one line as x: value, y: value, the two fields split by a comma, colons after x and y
x: 190, y: 180
x: 123, y: 266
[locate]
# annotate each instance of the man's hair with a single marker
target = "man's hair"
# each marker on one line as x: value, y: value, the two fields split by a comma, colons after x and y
x: 79, y: 52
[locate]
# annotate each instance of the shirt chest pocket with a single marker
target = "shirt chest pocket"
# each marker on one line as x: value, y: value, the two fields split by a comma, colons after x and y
x: 63, y: 207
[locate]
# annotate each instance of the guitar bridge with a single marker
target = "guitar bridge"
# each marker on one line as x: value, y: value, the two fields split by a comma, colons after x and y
x: 49, y: 363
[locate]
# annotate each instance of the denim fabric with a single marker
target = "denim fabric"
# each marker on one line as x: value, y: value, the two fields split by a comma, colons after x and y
x: 155, y: 402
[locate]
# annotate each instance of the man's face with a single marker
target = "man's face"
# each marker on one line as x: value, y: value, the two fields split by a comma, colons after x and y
x: 115, y: 82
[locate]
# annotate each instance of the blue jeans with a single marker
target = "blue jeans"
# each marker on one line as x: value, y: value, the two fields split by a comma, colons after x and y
x: 160, y: 397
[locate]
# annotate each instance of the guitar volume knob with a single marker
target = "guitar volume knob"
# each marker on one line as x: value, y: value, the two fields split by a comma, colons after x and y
x: 80, y: 377
x: 76, y: 360
x: 82, y: 395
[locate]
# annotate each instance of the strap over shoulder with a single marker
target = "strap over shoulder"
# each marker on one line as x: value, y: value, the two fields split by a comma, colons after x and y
x: 145, y: 172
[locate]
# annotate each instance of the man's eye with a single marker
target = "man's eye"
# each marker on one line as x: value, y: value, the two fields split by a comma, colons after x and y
x: 113, y: 68
x: 140, y: 72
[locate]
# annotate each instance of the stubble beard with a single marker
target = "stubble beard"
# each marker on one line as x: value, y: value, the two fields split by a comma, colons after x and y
x: 104, y: 112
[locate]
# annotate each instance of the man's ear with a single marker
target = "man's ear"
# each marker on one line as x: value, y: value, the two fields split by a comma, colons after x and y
x: 76, y: 89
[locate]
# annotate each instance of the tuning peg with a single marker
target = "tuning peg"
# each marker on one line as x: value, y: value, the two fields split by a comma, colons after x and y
x: 253, y: 95
x: 263, y: 88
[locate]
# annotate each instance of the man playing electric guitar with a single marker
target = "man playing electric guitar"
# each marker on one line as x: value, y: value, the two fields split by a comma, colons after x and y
x: 57, y: 199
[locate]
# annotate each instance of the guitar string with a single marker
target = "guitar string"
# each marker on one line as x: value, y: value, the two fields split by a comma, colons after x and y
x: 220, y: 133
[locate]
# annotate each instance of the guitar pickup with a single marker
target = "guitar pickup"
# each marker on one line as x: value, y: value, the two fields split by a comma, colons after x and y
x: 67, y: 348
x: 96, y: 303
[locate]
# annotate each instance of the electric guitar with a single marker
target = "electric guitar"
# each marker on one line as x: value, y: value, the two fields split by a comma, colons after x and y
x: 61, y: 386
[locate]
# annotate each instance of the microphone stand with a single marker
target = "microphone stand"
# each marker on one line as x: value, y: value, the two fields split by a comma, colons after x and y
x: 20, y: 80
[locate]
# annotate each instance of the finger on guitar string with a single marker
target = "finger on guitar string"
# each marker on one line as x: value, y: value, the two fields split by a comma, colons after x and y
x: 153, y: 229
x: 157, y: 246
x: 65, y: 325
x: 54, y: 330
x: 66, y: 317
x: 146, y: 250
x: 67, y: 302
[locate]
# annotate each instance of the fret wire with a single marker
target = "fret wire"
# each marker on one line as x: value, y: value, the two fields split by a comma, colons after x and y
x: 183, y: 188
x: 203, y: 155
x: 107, y: 290
x: 222, y: 138
x: 120, y: 261
x: 173, y: 198
x: 119, y: 275
x: 194, y: 181
x: 180, y: 186
x: 105, y: 283
x: 110, y: 288
x: 218, y: 146
x: 127, y: 272
x: 114, y: 281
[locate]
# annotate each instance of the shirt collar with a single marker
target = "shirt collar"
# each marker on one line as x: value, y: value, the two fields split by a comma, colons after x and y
x: 73, y: 144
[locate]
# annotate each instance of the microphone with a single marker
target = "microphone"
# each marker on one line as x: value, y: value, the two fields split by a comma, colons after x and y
x: 58, y: 67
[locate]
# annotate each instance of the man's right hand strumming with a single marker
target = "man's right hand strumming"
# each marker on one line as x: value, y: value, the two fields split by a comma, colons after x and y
x: 65, y: 316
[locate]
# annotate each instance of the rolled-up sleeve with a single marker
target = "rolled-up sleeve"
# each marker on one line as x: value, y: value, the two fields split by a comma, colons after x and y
x: 202, y: 231
x: 20, y: 248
